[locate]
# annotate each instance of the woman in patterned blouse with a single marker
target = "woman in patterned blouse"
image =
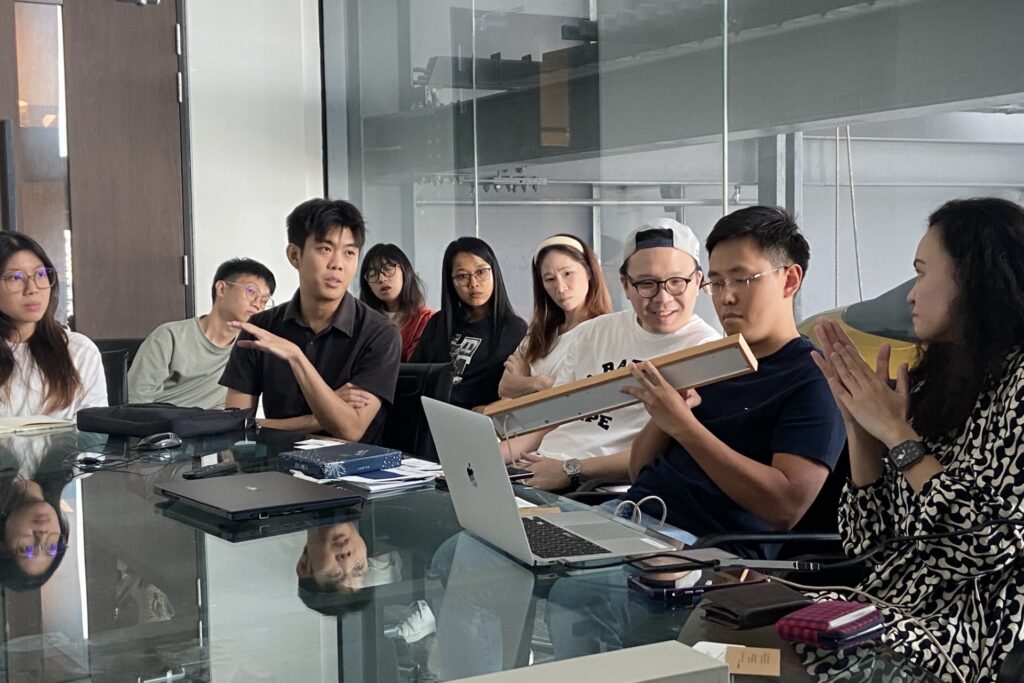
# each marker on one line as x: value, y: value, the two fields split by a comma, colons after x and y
x: 943, y: 453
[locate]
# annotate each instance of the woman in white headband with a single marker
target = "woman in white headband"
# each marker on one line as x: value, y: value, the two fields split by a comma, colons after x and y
x: 568, y: 289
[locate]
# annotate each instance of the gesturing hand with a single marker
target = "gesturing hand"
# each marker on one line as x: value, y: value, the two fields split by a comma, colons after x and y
x: 265, y: 341
x: 863, y: 394
x: 667, y: 406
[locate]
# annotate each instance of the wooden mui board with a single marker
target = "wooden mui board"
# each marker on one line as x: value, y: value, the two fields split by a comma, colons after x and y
x: 689, y: 368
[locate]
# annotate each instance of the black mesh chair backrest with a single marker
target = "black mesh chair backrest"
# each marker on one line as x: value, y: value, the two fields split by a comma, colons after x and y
x: 117, y: 355
x: 115, y: 368
x: 823, y: 515
x: 131, y: 345
x: 406, y: 426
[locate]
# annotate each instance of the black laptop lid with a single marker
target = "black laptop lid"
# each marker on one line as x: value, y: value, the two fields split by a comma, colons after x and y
x: 249, y: 529
x: 256, y: 495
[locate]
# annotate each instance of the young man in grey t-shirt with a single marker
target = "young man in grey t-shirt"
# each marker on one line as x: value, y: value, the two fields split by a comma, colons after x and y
x: 181, y: 362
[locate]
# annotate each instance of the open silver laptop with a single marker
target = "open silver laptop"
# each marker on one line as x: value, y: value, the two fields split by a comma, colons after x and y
x: 486, y: 506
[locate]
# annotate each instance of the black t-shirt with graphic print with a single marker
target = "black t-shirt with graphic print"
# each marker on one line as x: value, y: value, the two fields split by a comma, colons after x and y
x: 478, y: 356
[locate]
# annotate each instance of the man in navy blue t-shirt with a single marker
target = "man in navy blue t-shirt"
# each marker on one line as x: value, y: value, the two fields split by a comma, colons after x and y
x: 748, y: 454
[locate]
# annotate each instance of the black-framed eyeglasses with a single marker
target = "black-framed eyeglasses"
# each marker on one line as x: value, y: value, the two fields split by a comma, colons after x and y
x: 16, y: 281
x: 253, y: 295
x: 718, y: 287
x: 648, y: 288
x: 37, y: 549
x: 478, y: 275
x: 374, y: 275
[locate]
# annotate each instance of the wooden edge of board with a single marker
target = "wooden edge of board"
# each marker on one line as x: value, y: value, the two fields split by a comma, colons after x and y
x: 499, y: 408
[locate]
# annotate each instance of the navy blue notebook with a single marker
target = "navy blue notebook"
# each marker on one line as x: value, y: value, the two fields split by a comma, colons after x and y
x: 331, y: 462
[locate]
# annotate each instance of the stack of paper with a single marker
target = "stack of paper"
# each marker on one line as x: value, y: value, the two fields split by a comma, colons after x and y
x: 411, y: 473
x: 321, y: 442
x: 32, y: 423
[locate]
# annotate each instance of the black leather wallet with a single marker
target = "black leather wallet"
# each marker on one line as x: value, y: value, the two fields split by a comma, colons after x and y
x: 752, y: 606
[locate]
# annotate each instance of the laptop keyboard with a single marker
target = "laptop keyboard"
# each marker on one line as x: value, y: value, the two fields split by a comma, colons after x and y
x: 548, y: 540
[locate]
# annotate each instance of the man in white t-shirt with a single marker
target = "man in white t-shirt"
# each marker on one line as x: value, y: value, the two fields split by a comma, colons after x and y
x: 661, y: 276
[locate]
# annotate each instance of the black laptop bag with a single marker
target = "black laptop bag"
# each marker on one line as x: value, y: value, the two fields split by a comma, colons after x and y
x: 143, y: 419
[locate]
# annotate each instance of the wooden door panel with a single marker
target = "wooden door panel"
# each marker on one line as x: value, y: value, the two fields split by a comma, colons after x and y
x: 124, y: 154
x: 8, y: 107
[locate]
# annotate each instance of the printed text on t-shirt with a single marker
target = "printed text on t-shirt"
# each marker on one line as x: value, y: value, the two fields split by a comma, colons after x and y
x: 605, y: 421
x: 462, y: 351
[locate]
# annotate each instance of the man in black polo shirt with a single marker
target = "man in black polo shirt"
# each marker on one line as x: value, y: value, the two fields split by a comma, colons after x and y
x: 324, y: 361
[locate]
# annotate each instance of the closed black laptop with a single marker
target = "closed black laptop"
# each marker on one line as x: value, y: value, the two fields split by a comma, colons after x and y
x: 255, y: 496
x: 249, y: 529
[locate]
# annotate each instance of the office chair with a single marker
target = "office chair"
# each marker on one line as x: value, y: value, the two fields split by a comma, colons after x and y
x: 131, y: 345
x: 405, y: 426
x: 1012, y: 670
x: 816, y: 534
x: 115, y: 369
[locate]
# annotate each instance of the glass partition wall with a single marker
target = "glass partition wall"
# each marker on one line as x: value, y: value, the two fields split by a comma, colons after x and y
x: 517, y: 120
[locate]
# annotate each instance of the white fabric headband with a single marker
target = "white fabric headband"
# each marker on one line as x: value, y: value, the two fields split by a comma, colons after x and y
x: 558, y: 241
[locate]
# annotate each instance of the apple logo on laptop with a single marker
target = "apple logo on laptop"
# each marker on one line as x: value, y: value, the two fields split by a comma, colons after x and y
x: 469, y: 473
x: 252, y: 488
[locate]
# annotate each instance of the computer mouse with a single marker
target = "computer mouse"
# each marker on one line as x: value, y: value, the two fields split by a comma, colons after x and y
x: 159, y: 442
x: 90, y: 459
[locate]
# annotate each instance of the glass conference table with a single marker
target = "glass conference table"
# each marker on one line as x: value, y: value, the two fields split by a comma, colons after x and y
x: 392, y: 590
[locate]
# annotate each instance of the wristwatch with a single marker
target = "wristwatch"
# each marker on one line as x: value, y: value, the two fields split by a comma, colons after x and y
x: 907, y: 454
x: 573, y: 468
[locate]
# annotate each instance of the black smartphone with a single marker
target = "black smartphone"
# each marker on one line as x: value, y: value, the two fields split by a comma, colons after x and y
x: 686, y: 588
x: 518, y: 473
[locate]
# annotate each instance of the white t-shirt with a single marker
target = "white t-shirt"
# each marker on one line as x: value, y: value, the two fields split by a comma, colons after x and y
x: 550, y: 364
x: 601, y: 345
x: 26, y: 383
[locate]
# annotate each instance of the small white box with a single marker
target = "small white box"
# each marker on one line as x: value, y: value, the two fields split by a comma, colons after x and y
x: 668, y: 662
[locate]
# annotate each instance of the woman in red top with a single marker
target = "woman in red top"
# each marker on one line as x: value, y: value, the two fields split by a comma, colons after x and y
x: 389, y: 285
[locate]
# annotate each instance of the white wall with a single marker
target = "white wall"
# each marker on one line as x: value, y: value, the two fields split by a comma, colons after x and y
x: 256, y: 152
x: 898, y: 183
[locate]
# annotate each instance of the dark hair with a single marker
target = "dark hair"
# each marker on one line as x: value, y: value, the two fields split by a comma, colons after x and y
x: 48, y: 345
x: 773, y: 230
x: 985, y: 239
x: 51, y: 475
x: 452, y: 309
x: 548, y: 315
x: 317, y: 217
x: 242, y: 266
x: 410, y: 299
x: 332, y: 603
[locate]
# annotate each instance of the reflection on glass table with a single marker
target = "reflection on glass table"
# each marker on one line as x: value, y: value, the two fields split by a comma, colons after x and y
x: 112, y: 587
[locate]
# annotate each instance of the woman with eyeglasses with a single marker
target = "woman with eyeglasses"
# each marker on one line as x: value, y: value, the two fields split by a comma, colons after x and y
x: 44, y: 368
x: 476, y: 328
x: 941, y: 456
x: 33, y: 528
x: 568, y: 289
x: 389, y: 285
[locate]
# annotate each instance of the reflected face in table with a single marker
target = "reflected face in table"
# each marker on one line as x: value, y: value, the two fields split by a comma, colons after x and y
x: 335, y: 557
x: 32, y: 537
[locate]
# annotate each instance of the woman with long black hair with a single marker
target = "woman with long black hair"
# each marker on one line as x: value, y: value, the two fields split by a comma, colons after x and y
x: 389, y: 285
x: 33, y: 527
x: 44, y: 368
x: 942, y: 456
x: 476, y: 328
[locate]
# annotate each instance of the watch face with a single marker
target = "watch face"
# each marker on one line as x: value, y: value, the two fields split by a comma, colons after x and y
x: 572, y: 467
x: 907, y: 453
